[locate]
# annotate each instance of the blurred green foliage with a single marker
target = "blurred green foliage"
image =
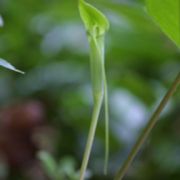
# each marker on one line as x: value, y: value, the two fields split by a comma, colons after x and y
x: 46, y: 40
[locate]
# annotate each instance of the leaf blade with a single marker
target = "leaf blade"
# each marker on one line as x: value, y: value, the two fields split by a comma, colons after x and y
x: 167, y: 14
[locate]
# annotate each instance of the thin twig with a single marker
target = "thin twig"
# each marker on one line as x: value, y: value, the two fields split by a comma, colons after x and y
x: 151, y: 123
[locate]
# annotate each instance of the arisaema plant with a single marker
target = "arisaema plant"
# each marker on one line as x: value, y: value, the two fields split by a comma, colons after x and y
x: 3, y: 62
x: 96, y: 25
x: 166, y: 13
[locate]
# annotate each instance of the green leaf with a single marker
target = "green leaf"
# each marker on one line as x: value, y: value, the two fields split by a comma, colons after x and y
x: 94, y: 20
x: 48, y: 163
x: 167, y: 14
x: 67, y: 167
x: 7, y: 65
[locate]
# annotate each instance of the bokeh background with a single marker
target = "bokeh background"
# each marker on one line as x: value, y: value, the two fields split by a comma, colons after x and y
x: 49, y: 108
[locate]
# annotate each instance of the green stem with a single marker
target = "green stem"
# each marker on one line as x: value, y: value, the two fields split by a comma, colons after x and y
x: 95, y: 116
x: 106, y: 123
x: 140, y: 141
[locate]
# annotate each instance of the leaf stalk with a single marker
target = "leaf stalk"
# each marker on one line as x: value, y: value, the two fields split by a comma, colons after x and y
x: 144, y: 134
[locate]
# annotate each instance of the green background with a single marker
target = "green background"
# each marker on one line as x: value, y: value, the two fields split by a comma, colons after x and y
x: 51, y: 104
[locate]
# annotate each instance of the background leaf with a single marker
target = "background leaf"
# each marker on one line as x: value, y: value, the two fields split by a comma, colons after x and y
x: 48, y: 163
x: 9, y: 66
x: 167, y: 15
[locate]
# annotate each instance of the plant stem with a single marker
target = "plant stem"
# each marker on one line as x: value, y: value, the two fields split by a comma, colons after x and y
x: 151, y: 123
x: 106, y: 109
x: 95, y: 116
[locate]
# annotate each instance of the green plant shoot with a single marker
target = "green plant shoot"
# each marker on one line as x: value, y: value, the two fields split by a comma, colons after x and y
x: 96, y: 26
x: 64, y: 169
x: 49, y: 164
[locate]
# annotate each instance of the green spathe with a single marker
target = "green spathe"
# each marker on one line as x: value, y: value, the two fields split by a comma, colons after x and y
x: 95, y: 22
x: 167, y: 15
x: 96, y: 25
